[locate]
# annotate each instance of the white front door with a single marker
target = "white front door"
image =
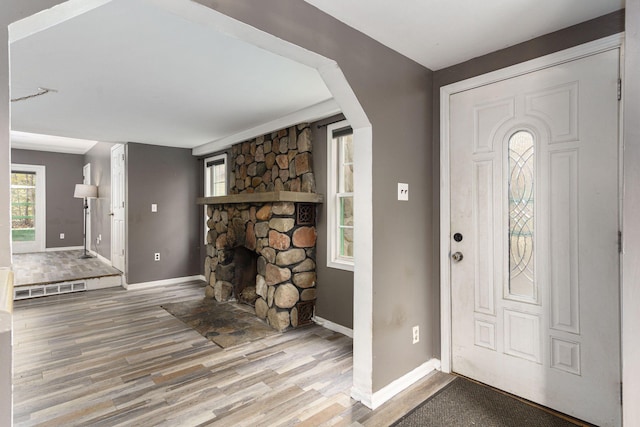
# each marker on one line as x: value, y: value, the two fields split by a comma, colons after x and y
x: 117, y: 207
x: 534, y: 236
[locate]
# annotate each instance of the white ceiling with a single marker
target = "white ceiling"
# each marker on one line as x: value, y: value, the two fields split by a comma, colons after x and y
x: 440, y: 33
x: 131, y: 71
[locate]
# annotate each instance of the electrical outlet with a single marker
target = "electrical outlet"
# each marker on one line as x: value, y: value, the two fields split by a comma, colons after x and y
x: 61, y: 236
x: 403, y: 191
x: 154, y: 207
x: 416, y: 334
x: 156, y: 256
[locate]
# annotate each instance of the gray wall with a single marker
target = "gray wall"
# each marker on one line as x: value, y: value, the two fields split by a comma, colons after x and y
x: 168, y: 177
x: 335, y: 286
x: 395, y: 93
x: 64, y: 212
x: 594, y: 29
x: 100, y: 159
x: 603, y: 26
x: 631, y: 225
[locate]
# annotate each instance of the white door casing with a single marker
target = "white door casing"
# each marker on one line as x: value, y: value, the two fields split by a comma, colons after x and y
x: 556, y: 341
x: 118, y: 233
x: 86, y: 179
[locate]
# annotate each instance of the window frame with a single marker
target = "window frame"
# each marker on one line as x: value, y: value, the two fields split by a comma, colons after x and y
x: 208, y: 190
x: 218, y: 159
x: 334, y: 195
x: 39, y: 244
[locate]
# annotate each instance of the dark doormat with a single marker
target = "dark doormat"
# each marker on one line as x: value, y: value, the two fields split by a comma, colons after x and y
x: 224, y: 323
x: 466, y: 403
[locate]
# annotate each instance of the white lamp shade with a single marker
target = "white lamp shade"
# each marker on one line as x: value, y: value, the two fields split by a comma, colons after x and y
x: 84, y: 191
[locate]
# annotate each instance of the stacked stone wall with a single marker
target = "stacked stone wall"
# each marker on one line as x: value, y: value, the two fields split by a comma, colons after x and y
x: 279, y: 161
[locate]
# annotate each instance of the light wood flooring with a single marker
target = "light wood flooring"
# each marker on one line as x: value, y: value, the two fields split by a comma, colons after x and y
x: 114, y: 357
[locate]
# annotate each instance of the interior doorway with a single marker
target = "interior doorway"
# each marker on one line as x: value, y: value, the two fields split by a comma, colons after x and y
x: 118, y: 209
x: 345, y: 100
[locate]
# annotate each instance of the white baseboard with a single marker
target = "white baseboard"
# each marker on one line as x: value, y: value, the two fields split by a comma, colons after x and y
x: 333, y: 326
x: 387, y: 392
x: 67, y: 248
x: 165, y: 282
x: 361, y: 397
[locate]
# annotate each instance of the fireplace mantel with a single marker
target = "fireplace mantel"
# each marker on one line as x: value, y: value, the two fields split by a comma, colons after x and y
x: 264, y: 197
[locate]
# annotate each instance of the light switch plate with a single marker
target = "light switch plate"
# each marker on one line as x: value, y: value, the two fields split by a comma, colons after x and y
x: 154, y: 207
x: 403, y: 191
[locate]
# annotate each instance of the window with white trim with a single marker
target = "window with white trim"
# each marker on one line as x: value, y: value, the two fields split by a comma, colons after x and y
x: 340, y: 196
x: 215, y: 181
x: 215, y: 176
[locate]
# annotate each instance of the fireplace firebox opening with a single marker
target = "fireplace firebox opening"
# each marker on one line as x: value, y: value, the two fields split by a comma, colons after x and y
x: 244, y: 277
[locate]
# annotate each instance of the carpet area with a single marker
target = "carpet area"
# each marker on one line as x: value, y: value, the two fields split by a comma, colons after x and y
x: 466, y: 403
x: 226, y: 324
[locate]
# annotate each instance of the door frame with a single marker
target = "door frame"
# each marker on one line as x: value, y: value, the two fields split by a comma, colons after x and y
x: 86, y: 179
x: 40, y: 243
x: 608, y: 43
x: 124, y: 193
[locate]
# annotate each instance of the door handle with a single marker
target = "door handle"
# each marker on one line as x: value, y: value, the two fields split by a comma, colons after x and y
x: 457, y: 257
x: 111, y: 213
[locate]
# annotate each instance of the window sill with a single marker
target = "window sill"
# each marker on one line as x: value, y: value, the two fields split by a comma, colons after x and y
x: 341, y: 265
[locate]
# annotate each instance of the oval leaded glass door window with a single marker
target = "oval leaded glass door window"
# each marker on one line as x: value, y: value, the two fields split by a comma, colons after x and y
x: 521, y: 215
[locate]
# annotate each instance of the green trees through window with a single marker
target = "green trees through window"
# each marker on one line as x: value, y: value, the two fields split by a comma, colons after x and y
x: 23, y: 206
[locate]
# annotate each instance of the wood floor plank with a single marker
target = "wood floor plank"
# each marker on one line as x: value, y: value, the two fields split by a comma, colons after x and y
x: 114, y: 357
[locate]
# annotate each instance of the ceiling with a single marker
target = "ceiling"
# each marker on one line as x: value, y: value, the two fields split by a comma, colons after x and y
x: 441, y: 33
x: 130, y: 70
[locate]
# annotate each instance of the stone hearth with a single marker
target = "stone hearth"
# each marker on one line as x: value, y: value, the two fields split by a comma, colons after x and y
x: 271, y: 212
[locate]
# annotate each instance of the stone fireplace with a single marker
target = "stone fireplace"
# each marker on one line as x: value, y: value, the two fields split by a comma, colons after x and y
x: 261, y: 241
